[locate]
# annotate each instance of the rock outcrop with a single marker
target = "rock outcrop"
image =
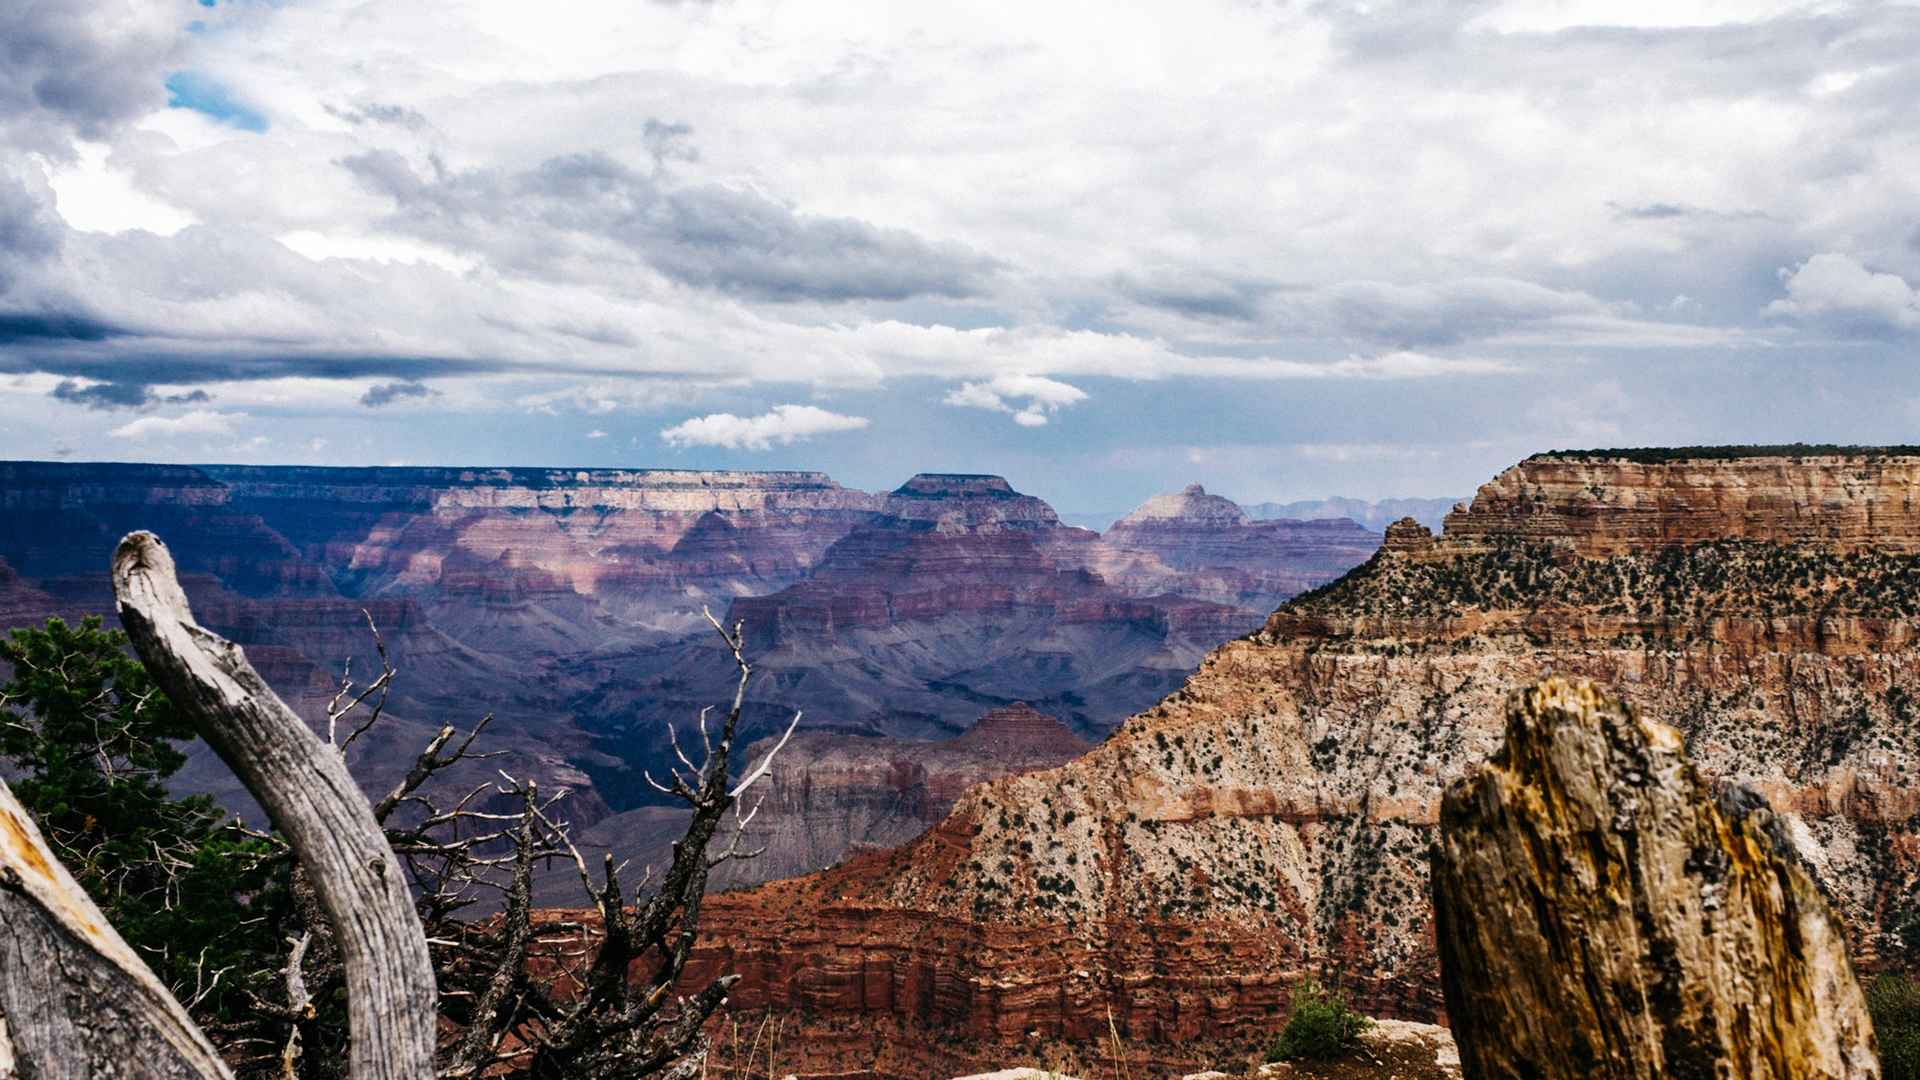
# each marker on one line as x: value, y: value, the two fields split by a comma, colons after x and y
x: 1599, y: 912
x: 1272, y: 818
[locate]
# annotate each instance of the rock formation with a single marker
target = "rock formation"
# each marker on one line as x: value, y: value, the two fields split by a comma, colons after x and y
x: 1272, y: 817
x: 1600, y: 913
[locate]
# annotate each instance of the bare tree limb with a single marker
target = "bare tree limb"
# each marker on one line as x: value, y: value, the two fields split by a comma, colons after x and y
x: 305, y: 788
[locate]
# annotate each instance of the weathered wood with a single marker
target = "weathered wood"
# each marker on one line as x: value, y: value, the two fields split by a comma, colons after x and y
x: 76, y: 1002
x: 1599, y: 913
x: 304, y: 786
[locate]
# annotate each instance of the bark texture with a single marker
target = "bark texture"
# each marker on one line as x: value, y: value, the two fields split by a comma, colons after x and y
x: 76, y: 1003
x: 304, y: 786
x: 1600, y: 913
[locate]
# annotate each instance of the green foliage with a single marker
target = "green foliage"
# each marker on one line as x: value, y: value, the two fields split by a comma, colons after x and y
x: 92, y: 741
x: 1894, y: 1001
x: 1321, y: 1028
x: 1660, y: 455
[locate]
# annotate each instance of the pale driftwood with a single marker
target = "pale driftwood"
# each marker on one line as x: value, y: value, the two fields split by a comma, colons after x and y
x: 304, y: 786
x: 76, y: 1002
x: 1600, y: 913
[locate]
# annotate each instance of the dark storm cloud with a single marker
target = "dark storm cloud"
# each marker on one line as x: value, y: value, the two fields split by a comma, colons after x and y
x: 714, y: 237
x: 38, y: 326
x: 387, y: 393
x: 109, y: 395
x: 137, y: 370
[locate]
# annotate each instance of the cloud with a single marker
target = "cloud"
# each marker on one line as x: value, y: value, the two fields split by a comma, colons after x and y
x: 388, y: 393
x: 784, y: 425
x: 596, y: 433
x: 197, y: 422
x: 112, y: 395
x: 1030, y: 398
x: 374, y: 112
x: 731, y: 240
x: 79, y: 70
x: 1837, y: 290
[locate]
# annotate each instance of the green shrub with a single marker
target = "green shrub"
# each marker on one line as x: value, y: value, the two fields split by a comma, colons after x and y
x: 1894, y: 1001
x: 1321, y: 1028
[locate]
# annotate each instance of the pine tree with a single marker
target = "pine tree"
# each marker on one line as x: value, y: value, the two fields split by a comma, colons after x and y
x: 89, y: 741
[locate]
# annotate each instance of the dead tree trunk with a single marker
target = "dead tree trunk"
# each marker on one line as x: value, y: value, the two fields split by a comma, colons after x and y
x: 304, y: 786
x: 76, y: 1002
x: 1600, y: 914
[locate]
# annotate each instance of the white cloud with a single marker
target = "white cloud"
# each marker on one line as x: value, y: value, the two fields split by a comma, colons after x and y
x: 596, y: 433
x: 784, y: 425
x: 1837, y: 287
x: 1030, y: 398
x: 197, y: 422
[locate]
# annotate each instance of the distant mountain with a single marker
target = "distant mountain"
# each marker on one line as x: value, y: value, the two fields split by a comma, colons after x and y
x: 1374, y: 515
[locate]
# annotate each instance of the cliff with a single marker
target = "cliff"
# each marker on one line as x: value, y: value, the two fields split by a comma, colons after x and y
x: 1611, y: 503
x: 1272, y: 817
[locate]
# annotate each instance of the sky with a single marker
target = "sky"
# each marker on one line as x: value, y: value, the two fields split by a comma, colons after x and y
x: 1286, y: 250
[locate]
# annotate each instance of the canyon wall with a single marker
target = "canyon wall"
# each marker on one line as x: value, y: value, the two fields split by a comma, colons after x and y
x: 1272, y: 817
x: 566, y: 603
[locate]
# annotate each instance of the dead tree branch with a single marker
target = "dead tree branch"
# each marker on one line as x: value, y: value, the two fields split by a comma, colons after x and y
x: 304, y: 787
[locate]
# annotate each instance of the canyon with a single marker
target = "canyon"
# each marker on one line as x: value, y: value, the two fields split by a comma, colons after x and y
x: 1270, y: 819
x: 566, y: 603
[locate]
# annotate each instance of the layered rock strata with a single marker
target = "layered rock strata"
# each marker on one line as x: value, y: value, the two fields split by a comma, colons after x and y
x: 1272, y: 817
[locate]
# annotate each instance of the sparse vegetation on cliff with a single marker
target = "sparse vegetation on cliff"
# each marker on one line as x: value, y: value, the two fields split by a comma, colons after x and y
x: 1746, y: 578
x: 1321, y: 1027
x: 1661, y: 455
x: 1894, y: 1001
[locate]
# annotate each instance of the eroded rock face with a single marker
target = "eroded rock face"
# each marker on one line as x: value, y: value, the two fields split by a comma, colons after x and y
x: 1272, y: 817
x: 1600, y: 913
x: 1605, y: 504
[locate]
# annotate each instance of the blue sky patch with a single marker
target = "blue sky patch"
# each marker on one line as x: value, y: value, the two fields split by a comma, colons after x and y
x: 202, y: 93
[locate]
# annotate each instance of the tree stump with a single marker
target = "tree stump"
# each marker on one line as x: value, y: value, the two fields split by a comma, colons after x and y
x: 1600, y: 913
